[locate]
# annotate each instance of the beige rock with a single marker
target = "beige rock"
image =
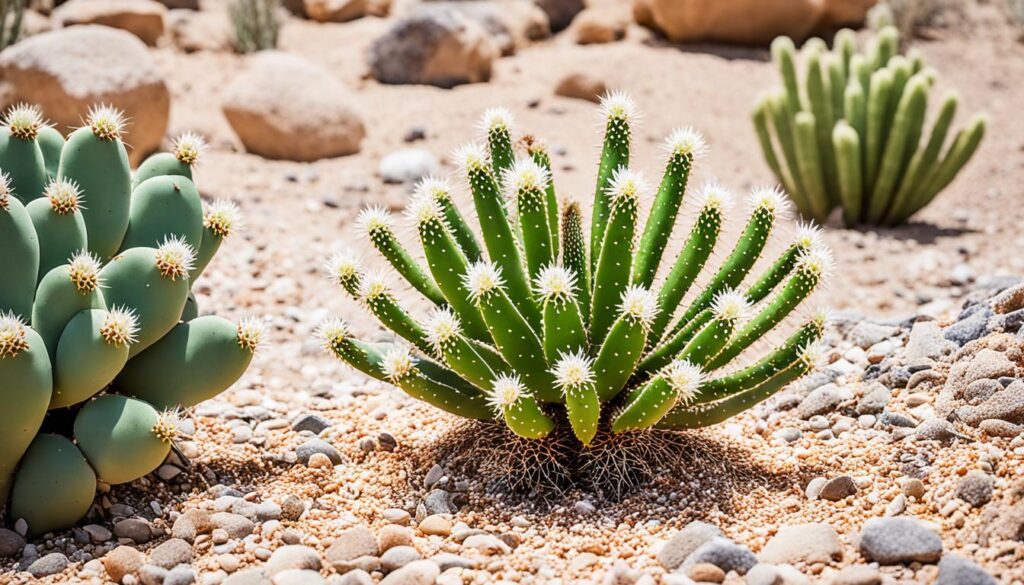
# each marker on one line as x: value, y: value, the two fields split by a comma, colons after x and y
x: 142, y: 18
x: 582, y: 87
x: 345, y: 10
x: 746, y: 22
x: 193, y: 31
x: 594, y: 26
x: 643, y: 14
x: 436, y: 525
x: 511, y: 24
x: 123, y: 560
x: 66, y: 71
x: 283, y: 107
x: 434, y: 45
x: 845, y: 13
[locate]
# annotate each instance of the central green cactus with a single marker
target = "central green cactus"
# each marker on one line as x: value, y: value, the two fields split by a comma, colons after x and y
x: 97, y: 321
x: 545, y: 325
x: 849, y: 134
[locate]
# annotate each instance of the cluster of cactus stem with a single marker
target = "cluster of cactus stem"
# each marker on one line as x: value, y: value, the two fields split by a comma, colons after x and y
x: 545, y: 322
x: 11, y: 14
x: 100, y: 338
x: 851, y: 134
x: 256, y: 24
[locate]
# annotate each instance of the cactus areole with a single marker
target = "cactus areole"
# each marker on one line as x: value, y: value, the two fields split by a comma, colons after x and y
x: 100, y: 342
x: 539, y: 323
x: 851, y: 134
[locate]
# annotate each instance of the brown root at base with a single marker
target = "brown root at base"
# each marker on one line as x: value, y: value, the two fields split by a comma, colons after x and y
x: 611, y: 469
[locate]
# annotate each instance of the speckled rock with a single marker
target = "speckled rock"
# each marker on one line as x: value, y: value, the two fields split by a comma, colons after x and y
x: 957, y: 570
x: 674, y: 552
x: 415, y: 573
x: 976, y: 488
x: 171, y: 553
x: 810, y: 543
x: 858, y: 575
x: 724, y: 554
x: 50, y: 564
x: 123, y: 560
x: 293, y: 556
x: 890, y: 541
x: 838, y: 488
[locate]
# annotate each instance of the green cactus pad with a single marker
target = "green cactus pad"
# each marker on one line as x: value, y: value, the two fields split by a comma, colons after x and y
x: 92, y: 350
x: 59, y: 225
x: 54, y: 486
x: 162, y: 207
x: 64, y: 292
x: 193, y: 362
x: 187, y: 150
x: 51, y: 143
x: 122, y: 438
x: 19, y: 262
x: 20, y: 155
x: 191, y: 310
x: 25, y: 393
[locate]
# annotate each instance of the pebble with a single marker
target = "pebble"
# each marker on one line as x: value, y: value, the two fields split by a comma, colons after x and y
x: 435, y: 525
x: 415, y: 573
x: 438, y: 501
x: 433, y: 476
x: 809, y: 543
x: 11, y: 543
x: 50, y: 564
x: 891, y: 541
x: 822, y: 400
x: 936, y: 429
x: 397, y: 557
x: 136, y: 529
x: 706, y: 573
x: 152, y: 575
x: 957, y: 570
x: 976, y: 488
x: 319, y: 461
x: 675, y: 552
x: 926, y: 343
x: 994, y: 427
x: 351, y: 544
x: 789, y: 434
x: 724, y: 554
x: 897, y: 506
x: 487, y: 544
x: 171, y: 553
x: 858, y: 575
x: 292, y: 508
x: 235, y: 525
x: 181, y: 575
x: 584, y: 508
x: 970, y: 328
x: 313, y: 423
x: 307, y: 449
x: 408, y: 165
x: 396, y: 516
x: 838, y: 488
x: 813, y: 489
x: 895, y: 419
x: 914, y: 488
x: 292, y: 557
x: 123, y: 560
x: 354, y: 577
x: 818, y: 422
x: 254, y: 576
x: 865, y: 333
x: 763, y: 574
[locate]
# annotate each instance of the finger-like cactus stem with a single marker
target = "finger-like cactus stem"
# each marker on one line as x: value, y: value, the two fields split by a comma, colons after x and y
x: 92, y: 350
x: 399, y: 367
x: 539, y: 153
x: 20, y: 155
x: 526, y: 186
x: 619, y: 112
x: 514, y: 403
x: 20, y: 261
x: 220, y: 219
x: 622, y: 347
x: 676, y: 384
x: 563, y: 323
x: 377, y: 224
x: 612, y: 272
x: 118, y: 436
x: 574, y: 255
x: 54, y: 486
x: 497, y: 125
x: 184, y: 156
x: 57, y: 218
x: 163, y: 207
x: 574, y: 376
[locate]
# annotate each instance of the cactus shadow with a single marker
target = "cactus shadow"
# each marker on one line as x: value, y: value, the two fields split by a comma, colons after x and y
x: 703, y: 469
x: 724, y: 51
x: 922, y: 232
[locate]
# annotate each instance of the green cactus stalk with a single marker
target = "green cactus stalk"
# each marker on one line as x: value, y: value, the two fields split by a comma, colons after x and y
x: 92, y: 350
x: 51, y: 143
x: 848, y: 134
x: 181, y: 161
x: 220, y: 219
x: 440, y: 190
x: 377, y: 224
x: 497, y: 124
x: 60, y: 227
x: 162, y: 207
x: 539, y: 153
x: 20, y: 261
x: 122, y: 438
x: 54, y: 486
x: 20, y: 155
x: 63, y: 293
x: 607, y: 350
x: 95, y: 159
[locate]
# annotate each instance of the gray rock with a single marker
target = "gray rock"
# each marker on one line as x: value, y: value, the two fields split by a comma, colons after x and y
x: 293, y: 556
x: 415, y: 573
x: 789, y: 434
x: 136, y: 529
x: 865, y: 334
x: 312, y: 446
x: 979, y: 391
x: 822, y: 400
x: 684, y: 542
x: 181, y: 575
x: 397, y: 557
x: 171, y: 553
x: 268, y: 511
x: 438, y: 501
x: 970, y: 328
x: 895, y: 419
x: 433, y: 476
x: 808, y: 543
x: 313, y: 423
x: 298, y: 577
x: 450, y: 561
x: 957, y: 570
x: 926, y: 344
x: 11, y: 543
x: 50, y: 564
x: 1007, y: 405
x: 152, y: 575
x: 890, y: 541
x: 994, y: 427
x: 354, y: 577
x: 858, y: 575
x: 408, y: 165
x: 235, y: 525
x: 724, y: 554
x: 936, y: 429
x: 763, y: 574
x: 248, y: 577
x: 897, y: 506
x: 838, y: 488
x: 987, y: 363
x: 976, y: 488
x: 874, y: 400
x: 292, y: 508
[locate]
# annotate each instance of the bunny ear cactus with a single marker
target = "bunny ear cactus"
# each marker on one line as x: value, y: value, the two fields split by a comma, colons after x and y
x: 98, y: 320
x: 546, y: 325
x: 852, y: 133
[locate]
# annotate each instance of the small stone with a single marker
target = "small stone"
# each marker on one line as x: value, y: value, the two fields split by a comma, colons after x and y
x: 190, y: 524
x: 970, y: 328
x: 763, y: 574
x: 822, y: 400
x: 813, y: 489
x: 865, y: 334
x: 435, y: 525
x: 353, y: 577
x: 724, y: 554
x: 1006, y: 405
x: 408, y: 165
x: 683, y: 543
x: 808, y: 543
x: 136, y: 529
x: 584, y: 508
x: 415, y: 573
x: 789, y: 434
x: 387, y: 442
x: 318, y: 446
x: 396, y: 516
x: 351, y: 544
x: 319, y: 461
x: 414, y: 134
x: 151, y: 575
x: 895, y: 419
x: 487, y: 544
x: 266, y: 511
x: 706, y: 573
x: 50, y: 564
x: 397, y: 557
x: 874, y: 400
x: 838, y: 488
x: 976, y: 488
x: 858, y: 575
x: 393, y: 535
x: 123, y: 560
x: 914, y: 488
x: 896, y: 506
x: 313, y: 423
x: 936, y: 429
x: 979, y: 391
x: 891, y: 541
x: 181, y: 575
x: 298, y: 577
x: 449, y: 561
x: 957, y: 570
x: 926, y: 343
x: 994, y: 427
x: 171, y: 553
x: 581, y: 86
x: 254, y: 576
x: 292, y: 557
x: 434, y: 475
x: 237, y: 526
x: 292, y: 508
x: 11, y: 543
x: 438, y: 502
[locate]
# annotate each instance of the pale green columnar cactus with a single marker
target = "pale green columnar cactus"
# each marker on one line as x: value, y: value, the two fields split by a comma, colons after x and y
x: 851, y: 133
x: 97, y: 321
x: 534, y: 329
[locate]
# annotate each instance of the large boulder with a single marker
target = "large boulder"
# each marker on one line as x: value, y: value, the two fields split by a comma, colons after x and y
x: 283, y: 107
x: 511, y: 24
x: 194, y: 30
x: 66, y: 71
x: 745, y: 22
x: 434, y: 45
x: 560, y: 12
x: 840, y: 13
x: 142, y: 18
x: 343, y: 10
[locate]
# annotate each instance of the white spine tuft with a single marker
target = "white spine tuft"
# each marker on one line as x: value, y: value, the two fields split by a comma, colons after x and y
x: 424, y: 208
x: 120, y: 326
x: 222, y: 217
x: 686, y: 142
x: 343, y: 266
x: 808, y: 236
x: 13, y: 335
x: 730, y: 305
x: 84, y: 271
x: 525, y: 175
x: 555, y: 282
x: 685, y: 380
x: 189, y: 147
x: 813, y: 355
x: 573, y: 370
x: 332, y: 333
x: 817, y: 261
x: 442, y: 326
x: 771, y: 199
x: 251, y: 332
x: 627, y: 184
x: 618, y: 105
x: 506, y: 390
x: 397, y: 363
x: 470, y: 157
x: 106, y: 121
x: 175, y: 258
x: 482, y: 278
x: 374, y: 285
x: 375, y: 219
x: 437, y: 188
x: 713, y: 195
x: 640, y: 303
x: 497, y: 119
